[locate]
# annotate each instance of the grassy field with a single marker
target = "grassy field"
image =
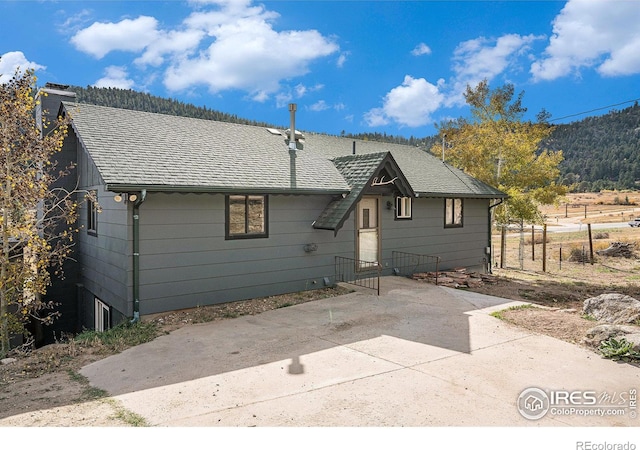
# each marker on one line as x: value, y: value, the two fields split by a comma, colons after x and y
x: 569, y: 254
x: 601, y: 207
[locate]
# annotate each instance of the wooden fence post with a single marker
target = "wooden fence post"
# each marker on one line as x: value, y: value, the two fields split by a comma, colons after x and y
x: 533, y: 243
x: 544, y: 247
x: 503, y: 246
x: 590, y: 244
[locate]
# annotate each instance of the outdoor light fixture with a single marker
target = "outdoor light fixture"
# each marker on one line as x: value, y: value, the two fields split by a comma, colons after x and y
x: 118, y: 198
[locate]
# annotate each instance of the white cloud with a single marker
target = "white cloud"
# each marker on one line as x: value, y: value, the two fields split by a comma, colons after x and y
x: 170, y: 43
x: 283, y: 99
x: 260, y: 96
x: 342, y: 59
x: 376, y: 117
x: 287, y: 93
x: 222, y: 44
x: 12, y: 61
x: 421, y: 49
x: 300, y: 89
x: 589, y: 33
x: 126, y: 35
x: 410, y: 104
x: 115, y: 77
x: 249, y: 55
x: 320, y: 105
x: 483, y: 58
x: 70, y: 24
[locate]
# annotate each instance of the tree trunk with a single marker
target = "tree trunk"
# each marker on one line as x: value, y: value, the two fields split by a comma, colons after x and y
x: 4, y: 269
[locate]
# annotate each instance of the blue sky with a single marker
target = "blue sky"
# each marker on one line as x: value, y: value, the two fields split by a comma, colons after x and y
x: 394, y: 67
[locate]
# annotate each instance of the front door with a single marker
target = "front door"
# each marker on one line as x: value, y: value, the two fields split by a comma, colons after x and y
x: 368, y: 230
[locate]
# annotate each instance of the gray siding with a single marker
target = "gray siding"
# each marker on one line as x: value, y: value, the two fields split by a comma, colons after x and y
x: 185, y: 260
x: 426, y: 234
x: 106, y: 257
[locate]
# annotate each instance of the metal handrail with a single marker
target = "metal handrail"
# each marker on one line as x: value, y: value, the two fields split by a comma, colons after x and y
x: 408, y: 264
x: 358, y: 272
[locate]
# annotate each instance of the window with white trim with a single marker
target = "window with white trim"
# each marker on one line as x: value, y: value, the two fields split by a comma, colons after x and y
x: 102, y: 315
x: 452, y: 212
x: 403, y: 207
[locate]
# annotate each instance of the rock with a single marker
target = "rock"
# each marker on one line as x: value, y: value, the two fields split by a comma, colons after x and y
x: 600, y: 333
x: 635, y: 338
x: 613, y: 308
x: 7, y: 361
x: 617, y: 249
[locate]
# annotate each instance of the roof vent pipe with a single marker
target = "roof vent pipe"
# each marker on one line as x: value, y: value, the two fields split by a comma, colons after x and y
x: 292, y: 128
x: 354, y: 147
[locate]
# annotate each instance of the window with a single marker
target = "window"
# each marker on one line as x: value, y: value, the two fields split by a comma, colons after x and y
x: 452, y: 212
x: 246, y: 216
x: 403, y: 207
x: 92, y: 215
x: 102, y: 315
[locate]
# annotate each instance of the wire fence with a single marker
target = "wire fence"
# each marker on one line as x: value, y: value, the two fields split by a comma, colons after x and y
x: 540, y: 249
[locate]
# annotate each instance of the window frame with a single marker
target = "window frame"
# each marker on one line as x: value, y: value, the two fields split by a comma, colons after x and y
x: 246, y: 235
x: 399, y: 207
x: 100, y: 309
x: 92, y: 215
x: 452, y: 222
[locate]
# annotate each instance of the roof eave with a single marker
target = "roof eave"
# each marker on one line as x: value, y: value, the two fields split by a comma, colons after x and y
x: 130, y: 187
x: 464, y: 195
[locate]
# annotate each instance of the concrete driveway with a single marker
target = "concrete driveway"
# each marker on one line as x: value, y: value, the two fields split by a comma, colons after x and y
x: 417, y: 355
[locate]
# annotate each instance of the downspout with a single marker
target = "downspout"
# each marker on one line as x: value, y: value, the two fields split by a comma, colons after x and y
x: 490, y: 219
x: 136, y: 256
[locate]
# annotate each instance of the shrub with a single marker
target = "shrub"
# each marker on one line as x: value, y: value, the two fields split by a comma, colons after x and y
x: 619, y: 350
x: 576, y: 254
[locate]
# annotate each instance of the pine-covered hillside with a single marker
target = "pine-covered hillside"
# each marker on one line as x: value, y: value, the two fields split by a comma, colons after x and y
x: 600, y: 152
x: 140, y: 101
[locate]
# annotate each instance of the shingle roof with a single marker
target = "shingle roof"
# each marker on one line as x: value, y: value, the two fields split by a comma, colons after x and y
x: 428, y: 175
x: 157, y: 151
x: 358, y: 170
x: 163, y: 152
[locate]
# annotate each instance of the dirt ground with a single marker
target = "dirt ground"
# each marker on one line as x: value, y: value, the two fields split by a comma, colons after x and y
x: 44, y: 388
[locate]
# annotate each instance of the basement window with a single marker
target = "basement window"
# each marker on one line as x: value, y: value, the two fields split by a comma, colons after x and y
x: 246, y: 216
x: 102, y: 315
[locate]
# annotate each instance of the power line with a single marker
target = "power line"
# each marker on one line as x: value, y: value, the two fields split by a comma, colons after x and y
x: 594, y: 110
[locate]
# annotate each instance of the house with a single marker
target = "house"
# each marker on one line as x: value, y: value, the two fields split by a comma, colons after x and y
x: 194, y: 212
